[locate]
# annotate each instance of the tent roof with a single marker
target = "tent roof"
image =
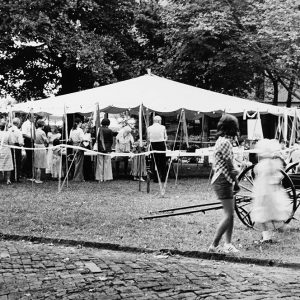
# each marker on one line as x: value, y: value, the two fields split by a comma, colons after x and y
x: 156, y: 93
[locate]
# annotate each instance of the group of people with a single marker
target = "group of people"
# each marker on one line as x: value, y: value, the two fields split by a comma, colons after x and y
x: 270, y: 202
x: 42, y: 155
x: 28, y: 136
x: 125, y: 144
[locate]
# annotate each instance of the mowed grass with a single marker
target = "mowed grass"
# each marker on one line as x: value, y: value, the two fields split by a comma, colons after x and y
x: 110, y: 212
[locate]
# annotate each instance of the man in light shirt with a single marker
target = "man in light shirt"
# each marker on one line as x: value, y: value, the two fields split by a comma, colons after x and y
x: 157, y: 137
x: 28, y: 131
x: 16, y: 139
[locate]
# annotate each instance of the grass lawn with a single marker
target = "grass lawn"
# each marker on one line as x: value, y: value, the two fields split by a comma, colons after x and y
x: 110, y: 211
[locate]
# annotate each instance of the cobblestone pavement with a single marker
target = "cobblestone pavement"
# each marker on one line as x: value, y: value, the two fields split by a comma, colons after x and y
x: 43, y: 271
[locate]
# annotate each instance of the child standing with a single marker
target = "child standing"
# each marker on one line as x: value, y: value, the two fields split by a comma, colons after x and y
x: 56, y: 160
x: 138, y: 163
x: 270, y: 202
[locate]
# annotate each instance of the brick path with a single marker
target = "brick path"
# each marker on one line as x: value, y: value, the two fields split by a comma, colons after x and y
x: 39, y: 271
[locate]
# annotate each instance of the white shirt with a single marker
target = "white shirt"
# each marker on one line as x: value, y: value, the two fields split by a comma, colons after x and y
x: 76, y: 135
x: 28, y: 128
x: 157, y: 133
x: 15, y: 136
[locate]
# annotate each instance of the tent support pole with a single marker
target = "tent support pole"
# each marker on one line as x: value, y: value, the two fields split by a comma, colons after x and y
x: 60, y: 171
x: 66, y: 140
x: 69, y: 168
x: 180, y: 145
x: 170, y: 162
x: 32, y: 144
x: 140, y: 146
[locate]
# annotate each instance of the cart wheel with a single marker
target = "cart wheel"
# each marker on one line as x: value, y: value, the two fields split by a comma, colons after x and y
x: 291, y: 168
x: 243, y: 199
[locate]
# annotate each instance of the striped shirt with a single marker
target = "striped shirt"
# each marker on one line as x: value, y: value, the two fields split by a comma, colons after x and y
x: 223, y: 159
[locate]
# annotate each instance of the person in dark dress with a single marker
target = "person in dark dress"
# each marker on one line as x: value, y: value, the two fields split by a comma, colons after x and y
x: 104, y: 142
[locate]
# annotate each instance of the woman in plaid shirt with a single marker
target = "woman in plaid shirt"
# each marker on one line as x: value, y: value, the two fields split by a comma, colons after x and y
x: 224, y: 181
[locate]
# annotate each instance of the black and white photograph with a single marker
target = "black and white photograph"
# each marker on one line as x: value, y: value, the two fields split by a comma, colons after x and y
x: 149, y: 149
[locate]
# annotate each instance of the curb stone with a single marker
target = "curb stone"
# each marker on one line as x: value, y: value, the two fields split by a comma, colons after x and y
x: 118, y: 247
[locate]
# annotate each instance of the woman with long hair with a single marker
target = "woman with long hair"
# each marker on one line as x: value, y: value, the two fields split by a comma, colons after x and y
x: 76, y: 137
x: 224, y: 181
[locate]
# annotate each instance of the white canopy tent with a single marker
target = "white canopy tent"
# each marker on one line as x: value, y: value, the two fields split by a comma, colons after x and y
x: 156, y: 93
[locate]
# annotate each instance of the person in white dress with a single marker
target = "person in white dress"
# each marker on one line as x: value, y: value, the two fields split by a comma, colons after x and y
x: 124, y: 142
x: 270, y: 201
x: 6, y: 162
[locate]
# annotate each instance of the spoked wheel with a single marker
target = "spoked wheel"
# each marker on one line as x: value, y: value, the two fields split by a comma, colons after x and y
x: 243, y: 199
x: 291, y: 168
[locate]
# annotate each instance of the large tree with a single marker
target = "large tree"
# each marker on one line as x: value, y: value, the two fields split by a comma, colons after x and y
x: 65, y: 45
x: 231, y: 46
x: 270, y: 28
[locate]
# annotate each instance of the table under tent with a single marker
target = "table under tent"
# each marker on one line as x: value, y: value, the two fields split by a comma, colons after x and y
x: 153, y: 94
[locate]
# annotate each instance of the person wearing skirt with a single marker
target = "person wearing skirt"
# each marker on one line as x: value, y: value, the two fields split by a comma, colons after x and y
x: 76, y: 138
x: 40, y: 153
x: 6, y: 162
x: 138, y: 163
x: 270, y: 201
x: 104, y: 142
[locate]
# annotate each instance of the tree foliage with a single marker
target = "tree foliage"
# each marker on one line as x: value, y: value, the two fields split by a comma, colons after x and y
x: 229, y: 46
x: 64, y: 44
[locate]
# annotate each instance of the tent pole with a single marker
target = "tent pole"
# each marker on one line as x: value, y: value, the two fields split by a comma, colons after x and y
x: 180, y: 144
x: 293, y: 131
x: 140, y: 146
x: 146, y: 120
x: 32, y: 143
x: 60, y: 171
x: 66, y: 136
x: 170, y: 163
x: 69, y: 168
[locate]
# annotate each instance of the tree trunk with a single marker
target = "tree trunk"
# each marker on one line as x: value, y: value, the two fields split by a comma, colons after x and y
x: 69, y: 80
x: 260, y: 87
x: 275, y: 92
x: 290, y: 90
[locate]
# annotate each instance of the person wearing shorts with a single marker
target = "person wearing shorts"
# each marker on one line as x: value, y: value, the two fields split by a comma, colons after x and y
x: 224, y: 182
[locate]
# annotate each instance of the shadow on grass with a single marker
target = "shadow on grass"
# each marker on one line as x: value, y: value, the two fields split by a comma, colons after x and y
x: 109, y: 212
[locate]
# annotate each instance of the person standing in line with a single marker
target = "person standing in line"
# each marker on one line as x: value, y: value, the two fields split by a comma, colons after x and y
x: 77, y: 137
x: 6, y: 162
x: 56, y: 161
x: 28, y: 131
x: 224, y: 181
x: 52, y: 135
x: 16, y: 139
x: 138, y: 163
x: 40, y: 152
x: 104, y: 142
x: 157, y: 137
x: 124, y: 143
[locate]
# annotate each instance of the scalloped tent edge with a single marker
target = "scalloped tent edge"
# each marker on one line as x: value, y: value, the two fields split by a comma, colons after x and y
x: 156, y: 93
